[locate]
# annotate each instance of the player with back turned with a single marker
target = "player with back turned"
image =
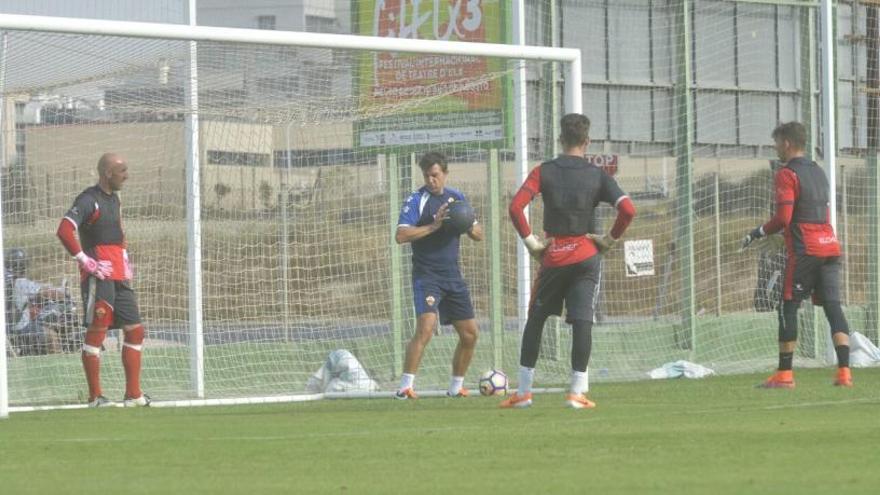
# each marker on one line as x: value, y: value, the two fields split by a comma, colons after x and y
x: 812, y: 265
x: 571, y: 188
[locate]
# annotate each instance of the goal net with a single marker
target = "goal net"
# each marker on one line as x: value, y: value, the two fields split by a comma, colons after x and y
x: 306, y: 157
x: 747, y: 68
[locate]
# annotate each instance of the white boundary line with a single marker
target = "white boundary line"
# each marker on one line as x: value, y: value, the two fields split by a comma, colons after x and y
x: 280, y: 399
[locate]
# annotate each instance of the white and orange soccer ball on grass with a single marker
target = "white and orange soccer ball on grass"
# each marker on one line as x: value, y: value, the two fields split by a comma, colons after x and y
x: 493, y: 382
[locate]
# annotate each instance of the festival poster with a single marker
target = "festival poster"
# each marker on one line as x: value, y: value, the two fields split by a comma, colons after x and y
x: 415, y: 99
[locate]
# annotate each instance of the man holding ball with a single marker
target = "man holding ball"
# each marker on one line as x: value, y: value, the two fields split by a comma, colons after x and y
x: 432, y: 219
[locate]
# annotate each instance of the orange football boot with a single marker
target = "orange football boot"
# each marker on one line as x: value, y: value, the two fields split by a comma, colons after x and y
x: 462, y: 392
x: 844, y: 377
x: 780, y: 379
x: 579, y: 401
x: 517, y: 401
x: 407, y: 393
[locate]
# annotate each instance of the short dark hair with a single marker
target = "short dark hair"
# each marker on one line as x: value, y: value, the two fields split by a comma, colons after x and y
x: 575, y: 130
x: 793, y: 132
x: 433, y: 157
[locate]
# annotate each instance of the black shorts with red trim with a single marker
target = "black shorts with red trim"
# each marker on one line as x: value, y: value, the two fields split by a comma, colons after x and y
x: 815, y: 276
x: 118, y: 294
x: 575, y: 285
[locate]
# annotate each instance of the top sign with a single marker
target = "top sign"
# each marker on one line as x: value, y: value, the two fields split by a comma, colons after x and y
x: 608, y: 163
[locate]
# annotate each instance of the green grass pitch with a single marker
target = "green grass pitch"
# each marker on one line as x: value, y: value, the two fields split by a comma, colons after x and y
x: 718, y: 435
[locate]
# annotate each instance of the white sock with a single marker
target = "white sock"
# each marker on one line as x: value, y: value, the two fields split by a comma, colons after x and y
x: 407, y: 380
x: 526, y: 376
x: 455, y: 385
x: 580, y: 382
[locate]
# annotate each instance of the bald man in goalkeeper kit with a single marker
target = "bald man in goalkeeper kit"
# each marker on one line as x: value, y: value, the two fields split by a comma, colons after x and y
x: 91, y: 231
x: 439, y: 290
x: 571, y: 188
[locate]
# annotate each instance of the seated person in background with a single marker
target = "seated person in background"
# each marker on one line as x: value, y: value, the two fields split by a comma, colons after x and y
x: 24, y: 297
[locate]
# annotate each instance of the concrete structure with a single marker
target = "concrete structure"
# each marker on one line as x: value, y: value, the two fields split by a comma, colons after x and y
x: 237, y: 155
x: 281, y: 15
x: 746, y: 78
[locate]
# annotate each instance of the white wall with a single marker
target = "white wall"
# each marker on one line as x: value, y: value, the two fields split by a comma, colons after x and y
x: 173, y: 11
x: 289, y: 14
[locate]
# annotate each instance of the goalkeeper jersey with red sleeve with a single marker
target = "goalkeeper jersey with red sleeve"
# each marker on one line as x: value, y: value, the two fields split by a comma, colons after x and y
x: 802, y: 210
x: 570, y: 245
x: 97, y: 219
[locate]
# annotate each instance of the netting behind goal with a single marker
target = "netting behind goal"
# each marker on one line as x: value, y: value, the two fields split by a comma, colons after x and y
x: 308, y: 154
x: 749, y: 68
x: 306, y: 158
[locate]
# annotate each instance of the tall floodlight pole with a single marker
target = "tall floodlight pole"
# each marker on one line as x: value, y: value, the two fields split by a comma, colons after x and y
x: 829, y: 115
x: 684, y: 138
x: 4, y: 373
x: 829, y: 141
x: 872, y: 33
x: 194, y: 218
x: 285, y: 232
x: 521, y: 146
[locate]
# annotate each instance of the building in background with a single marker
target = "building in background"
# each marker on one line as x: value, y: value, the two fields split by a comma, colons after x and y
x: 315, y: 16
x: 747, y: 69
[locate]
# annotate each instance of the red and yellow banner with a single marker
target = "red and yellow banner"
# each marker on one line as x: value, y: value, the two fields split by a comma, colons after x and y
x: 453, y: 98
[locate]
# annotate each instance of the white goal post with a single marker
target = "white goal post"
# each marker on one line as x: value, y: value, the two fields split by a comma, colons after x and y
x: 571, y: 58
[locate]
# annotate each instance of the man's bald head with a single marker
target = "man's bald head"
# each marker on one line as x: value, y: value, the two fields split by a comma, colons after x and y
x: 107, y: 161
x: 112, y: 171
